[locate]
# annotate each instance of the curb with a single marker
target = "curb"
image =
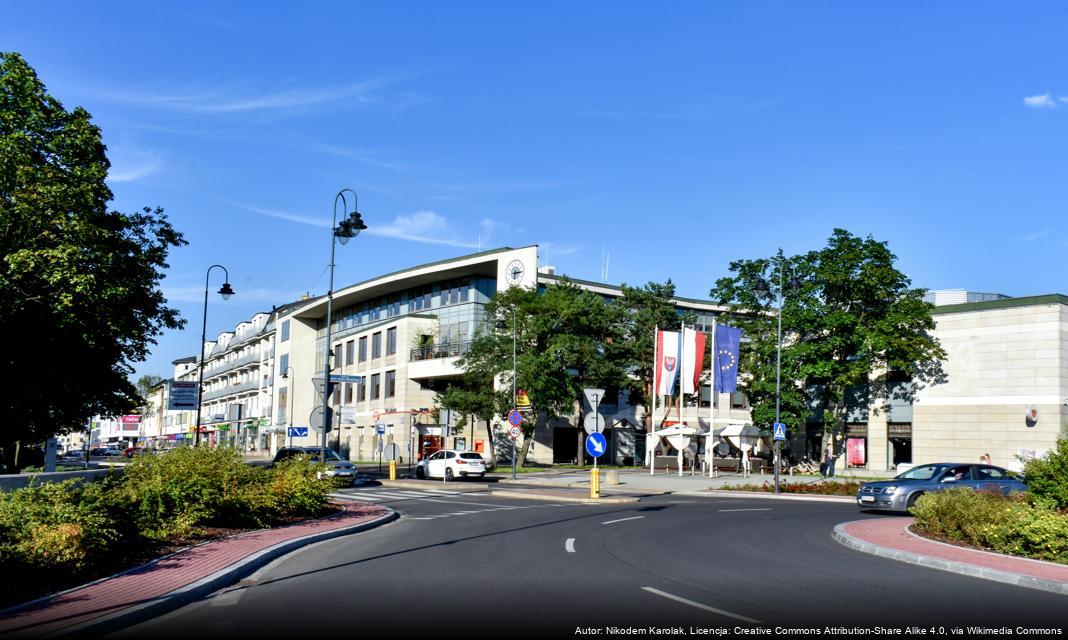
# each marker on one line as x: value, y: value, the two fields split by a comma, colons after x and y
x: 760, y: 495
x: 952, y: 566
x: 550, y: 498
x: 209, y: 584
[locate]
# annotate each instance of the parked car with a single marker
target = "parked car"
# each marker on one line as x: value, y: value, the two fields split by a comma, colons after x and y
x: 336, y: 466
x: 452, y: 464
x: 135, y: 451
x: 106, y: 451
x: 900, y: 494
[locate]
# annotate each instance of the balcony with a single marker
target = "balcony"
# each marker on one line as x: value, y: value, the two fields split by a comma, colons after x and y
x: 250, y: 385
x: 440, y: 350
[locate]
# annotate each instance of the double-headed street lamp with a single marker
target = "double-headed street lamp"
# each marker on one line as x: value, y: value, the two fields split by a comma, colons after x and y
x: 762, y: 290
x: 225, y: 291
x: 349, y: 227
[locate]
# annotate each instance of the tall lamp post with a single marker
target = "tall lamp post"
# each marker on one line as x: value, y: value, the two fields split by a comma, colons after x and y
x: 285, y: 376
x: 225, y: 291
x: 342, y: 232
x: 501, y: 325
x: 762, y: 290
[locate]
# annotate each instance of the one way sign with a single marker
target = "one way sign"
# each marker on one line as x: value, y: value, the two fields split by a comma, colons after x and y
x: 780, y: 431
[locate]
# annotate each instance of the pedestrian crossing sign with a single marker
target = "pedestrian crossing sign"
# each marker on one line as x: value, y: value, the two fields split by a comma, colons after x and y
x: 780, y: 431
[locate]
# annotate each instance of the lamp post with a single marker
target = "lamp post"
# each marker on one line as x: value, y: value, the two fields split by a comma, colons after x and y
x: 285, y: 376
x: 501, y: 325
x: 762, y: 290
x: 225, y: 291
x: 348, y: 228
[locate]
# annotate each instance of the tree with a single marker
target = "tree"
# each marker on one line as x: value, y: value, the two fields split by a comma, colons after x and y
x: 146, y: 387
x: 645, y: 309
x: 854, y: 323
x: 79, y: 284
x: 567, y: 339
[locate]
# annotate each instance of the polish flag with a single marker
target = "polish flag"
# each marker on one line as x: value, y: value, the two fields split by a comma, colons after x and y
x: 693, y: 359
x: 667, y: 362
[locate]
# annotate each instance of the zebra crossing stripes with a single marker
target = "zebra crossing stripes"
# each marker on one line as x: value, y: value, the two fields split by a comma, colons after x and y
x: 375, y: 495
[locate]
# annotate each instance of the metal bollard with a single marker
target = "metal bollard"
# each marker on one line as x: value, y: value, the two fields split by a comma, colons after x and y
x: 595, y: 483
x: 392, y: 469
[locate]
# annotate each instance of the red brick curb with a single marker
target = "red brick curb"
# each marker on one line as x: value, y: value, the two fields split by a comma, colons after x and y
x: 191, y: 572
x: 891, y: 538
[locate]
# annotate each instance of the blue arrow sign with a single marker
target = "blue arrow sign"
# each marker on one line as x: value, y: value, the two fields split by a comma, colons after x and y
x: 596, y: 445
x: 298, y: 432
x: 780, y: 431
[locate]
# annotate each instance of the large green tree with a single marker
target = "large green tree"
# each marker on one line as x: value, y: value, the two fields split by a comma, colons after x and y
x: 567, y: 339
x: 79, y: 284
x: 852, y: 322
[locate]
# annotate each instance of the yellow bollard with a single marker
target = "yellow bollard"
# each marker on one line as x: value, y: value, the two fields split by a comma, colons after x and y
x: 595, y: 483
x: 392, y: 469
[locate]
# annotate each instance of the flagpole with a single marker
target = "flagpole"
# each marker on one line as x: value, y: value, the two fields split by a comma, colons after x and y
x: 650, y: 446
x: 711, y: 440
x: 680, y: 367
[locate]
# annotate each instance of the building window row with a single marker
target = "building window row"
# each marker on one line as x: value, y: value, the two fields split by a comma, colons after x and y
x: 417, y: 299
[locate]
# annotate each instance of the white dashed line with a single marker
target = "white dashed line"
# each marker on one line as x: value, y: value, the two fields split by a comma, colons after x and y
x: 733, y: 510
x: 699, y: 605
x: 623, y: 520
x: 570, y: 545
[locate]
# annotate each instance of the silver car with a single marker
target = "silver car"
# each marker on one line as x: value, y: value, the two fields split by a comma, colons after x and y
x: 901, y: 493
x: 336, y: 466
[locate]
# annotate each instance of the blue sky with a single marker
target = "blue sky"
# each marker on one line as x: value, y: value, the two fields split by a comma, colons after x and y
x: 677, y: 136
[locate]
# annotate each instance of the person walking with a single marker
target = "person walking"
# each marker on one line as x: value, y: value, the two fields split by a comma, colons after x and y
x: 829, y: 456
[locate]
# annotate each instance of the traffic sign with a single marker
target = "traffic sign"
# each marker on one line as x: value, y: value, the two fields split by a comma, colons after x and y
x: 319, y: 382
x: 593, y: 422
x: 593, y: 396
x: 596, y: 445
x: 380, y: 428
x: 337, y: 377
x: 515, y: 418
x: 514, y: 432
x: 780, y: 431
x: 298, y: 432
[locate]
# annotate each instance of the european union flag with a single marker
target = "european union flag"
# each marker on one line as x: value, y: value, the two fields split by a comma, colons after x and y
x: 725, y: 362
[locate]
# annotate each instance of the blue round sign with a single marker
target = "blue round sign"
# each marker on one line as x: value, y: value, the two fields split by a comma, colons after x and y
x: 515, y: 418
x: 596, y: 444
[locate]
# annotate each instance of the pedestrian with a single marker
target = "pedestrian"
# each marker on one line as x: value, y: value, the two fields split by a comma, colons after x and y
x: 823, y: 464
x: 984, y: 459
x: 830, y: 460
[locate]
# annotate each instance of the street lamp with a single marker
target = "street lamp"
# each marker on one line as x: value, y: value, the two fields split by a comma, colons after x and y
x: 762, y: 290
x: 349, y: 227
x: 285, y: 376
x: 225, y: 291
x: 501, y: 325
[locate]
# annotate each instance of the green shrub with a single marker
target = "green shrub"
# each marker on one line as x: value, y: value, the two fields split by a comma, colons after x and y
x: 297, y: 489
x: 961, y: 514
x: 1047, y: 478
x: 50, y: 526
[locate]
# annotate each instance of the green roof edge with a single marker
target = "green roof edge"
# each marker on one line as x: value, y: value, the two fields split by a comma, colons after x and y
x: 1008, y: 303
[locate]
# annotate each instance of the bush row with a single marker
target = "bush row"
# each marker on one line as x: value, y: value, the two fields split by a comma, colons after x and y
x: 80, y: 526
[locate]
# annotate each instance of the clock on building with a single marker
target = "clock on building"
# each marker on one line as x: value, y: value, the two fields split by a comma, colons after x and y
x: 514, y: 272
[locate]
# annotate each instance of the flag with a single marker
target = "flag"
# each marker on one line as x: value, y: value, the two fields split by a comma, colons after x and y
x: 693, y: 359
x: 725, y: 364
x: 667, y: 362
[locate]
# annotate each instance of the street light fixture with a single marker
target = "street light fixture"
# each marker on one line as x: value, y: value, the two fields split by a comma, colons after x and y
x: 225, y: 291
x: 762, y: 290
x: 348, y: 228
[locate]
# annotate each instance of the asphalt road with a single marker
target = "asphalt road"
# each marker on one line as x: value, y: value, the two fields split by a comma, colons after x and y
x: 474, y: 565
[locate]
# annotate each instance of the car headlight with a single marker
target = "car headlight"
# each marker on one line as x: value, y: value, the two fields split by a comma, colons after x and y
x: 889, y: 490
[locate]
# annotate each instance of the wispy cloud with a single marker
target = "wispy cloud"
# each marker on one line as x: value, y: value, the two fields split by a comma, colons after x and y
x: 1044, y: 101
x: 129, y: 164
x: 426, y: 227
x: 554, y: 250
x: 1031, y: 237
x: 359, y: 156
x: 292, y: 98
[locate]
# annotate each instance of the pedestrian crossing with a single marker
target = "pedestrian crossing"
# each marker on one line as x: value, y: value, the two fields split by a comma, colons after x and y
x: 396, y: 495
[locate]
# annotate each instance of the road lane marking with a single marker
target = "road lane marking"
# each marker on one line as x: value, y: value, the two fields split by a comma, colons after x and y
x: 570, y: 545
x: 623, y: 520
x: 731, y: 510
x: 721, y: 612
x: 474, y: 504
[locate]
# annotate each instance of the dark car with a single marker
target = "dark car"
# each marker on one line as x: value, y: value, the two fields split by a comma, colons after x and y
x: 900, y: 494
x: 336, y: 466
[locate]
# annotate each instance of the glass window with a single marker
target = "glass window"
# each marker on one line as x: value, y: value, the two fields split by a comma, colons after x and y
x: 283, y: 363
x: 363, y: 349
x: 337, y: 394
x: 350, y: 352
x: 391, y: 341
x: 361, y: 391
x: 348, y: 393
x: 285, y: 330
x: 336, y: 360
x: 376, y: 345
x: 283, y: 404
x: 391, y: 384
x: 376, y: 382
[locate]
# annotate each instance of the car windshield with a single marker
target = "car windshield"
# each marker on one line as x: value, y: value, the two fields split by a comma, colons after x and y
x: 923, y: 472
x: 470, y: 455
x: 315, y: 454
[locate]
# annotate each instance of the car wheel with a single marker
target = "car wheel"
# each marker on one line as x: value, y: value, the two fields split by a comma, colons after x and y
x: 481, y: 475
x: 448, y: 475
x: 419, y: 473
x: 912, y: 500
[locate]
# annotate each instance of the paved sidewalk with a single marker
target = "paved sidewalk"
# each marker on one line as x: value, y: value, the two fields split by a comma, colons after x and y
x: 176, y: 580
x: 890, y: 538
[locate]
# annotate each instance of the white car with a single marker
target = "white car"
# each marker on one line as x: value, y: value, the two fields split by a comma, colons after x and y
x: 452, y: 464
